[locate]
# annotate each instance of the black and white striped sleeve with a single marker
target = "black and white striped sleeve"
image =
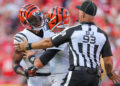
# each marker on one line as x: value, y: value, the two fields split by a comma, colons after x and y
x: 62, y: 37
x: 18, y: 37
x: 48, y: 55
x: 106, y: 50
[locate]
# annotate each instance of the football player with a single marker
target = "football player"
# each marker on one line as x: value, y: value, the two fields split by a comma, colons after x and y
x: 33, y: 20
x: 58, y: 20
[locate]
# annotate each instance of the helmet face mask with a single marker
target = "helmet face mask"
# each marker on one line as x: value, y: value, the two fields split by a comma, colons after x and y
x: 36, y: 20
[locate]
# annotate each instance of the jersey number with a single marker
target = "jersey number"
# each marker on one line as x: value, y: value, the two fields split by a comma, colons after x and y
x: 89, y: 38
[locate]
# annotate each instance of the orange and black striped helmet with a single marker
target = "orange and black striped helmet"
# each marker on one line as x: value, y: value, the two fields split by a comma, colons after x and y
x: 30, y: 16
x: 58, y: 18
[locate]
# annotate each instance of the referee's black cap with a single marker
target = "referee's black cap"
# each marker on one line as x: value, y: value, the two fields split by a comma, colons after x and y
x: 88, y: 7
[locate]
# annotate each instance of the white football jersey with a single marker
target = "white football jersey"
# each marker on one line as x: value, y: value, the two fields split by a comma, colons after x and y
x: 31, y: 37
x: 60, y: 62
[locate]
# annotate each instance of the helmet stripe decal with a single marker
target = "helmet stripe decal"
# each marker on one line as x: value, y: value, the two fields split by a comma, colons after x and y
x: 24, y: 13
x: 27, y: 6
x: 31, y: 10
x: 21, y: 13
x: 62, y: 13
x: 56, y: 16
x: 25, y: 22
x: 52, y: 12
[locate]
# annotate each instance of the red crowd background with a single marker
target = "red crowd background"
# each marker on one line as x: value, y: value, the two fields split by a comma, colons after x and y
x: 108, y: 19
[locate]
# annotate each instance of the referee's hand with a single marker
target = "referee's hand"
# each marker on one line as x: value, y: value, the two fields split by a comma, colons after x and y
x: 115, y: 78
x: 21, y: 46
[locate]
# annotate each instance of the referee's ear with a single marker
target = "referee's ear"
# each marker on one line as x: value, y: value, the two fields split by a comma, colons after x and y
x: 84, y: 15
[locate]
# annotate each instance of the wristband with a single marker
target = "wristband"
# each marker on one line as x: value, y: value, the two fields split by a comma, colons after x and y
x: 28, y: 47
x: 33, y: 68
x: 26, y: 73
x: 16, y: 67
x: 109, y: 74
x: 32, y: 58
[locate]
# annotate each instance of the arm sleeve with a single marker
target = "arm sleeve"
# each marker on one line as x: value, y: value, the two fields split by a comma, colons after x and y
x: 62, y: 37
x: 48, y: 55
x: 106, y: 50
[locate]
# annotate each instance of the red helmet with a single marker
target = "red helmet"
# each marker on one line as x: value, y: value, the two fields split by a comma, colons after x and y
x: 58, y: 18
x: 30, y: 16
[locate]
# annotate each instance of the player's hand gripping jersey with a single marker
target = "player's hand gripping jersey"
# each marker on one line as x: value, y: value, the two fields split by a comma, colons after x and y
x: 31, y: 37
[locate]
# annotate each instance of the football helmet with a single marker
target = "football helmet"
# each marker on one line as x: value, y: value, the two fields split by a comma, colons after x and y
x: 31, y: 17
x: 58, y: 19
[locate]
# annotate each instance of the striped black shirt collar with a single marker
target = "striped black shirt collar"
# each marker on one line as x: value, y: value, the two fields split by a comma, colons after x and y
x: 90, y: 23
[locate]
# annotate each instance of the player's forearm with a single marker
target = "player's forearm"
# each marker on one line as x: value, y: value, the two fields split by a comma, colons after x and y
x: 19, y: 70
x: 45, y: 58
x: 38, y: 64
x: 17, y: 57
x: 43, y: 44
x: 108, y: 64
x: 48, y: 55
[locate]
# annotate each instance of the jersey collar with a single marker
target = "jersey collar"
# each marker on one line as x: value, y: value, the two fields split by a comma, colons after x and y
x: 90, y: 23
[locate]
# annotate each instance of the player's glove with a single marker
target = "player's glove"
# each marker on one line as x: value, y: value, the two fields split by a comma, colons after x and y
x: 30, y: 72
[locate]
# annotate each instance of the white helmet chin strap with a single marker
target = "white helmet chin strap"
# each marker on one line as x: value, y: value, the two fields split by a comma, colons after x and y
x: 37, y: 29
x: 60, y: 26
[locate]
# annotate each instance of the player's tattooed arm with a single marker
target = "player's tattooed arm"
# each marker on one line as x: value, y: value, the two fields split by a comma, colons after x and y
x: 17, y: 57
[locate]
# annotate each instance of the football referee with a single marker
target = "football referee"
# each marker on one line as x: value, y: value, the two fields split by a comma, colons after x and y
x: 87, y: 43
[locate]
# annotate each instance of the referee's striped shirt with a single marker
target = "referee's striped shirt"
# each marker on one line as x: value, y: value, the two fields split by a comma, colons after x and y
x: 86, y: 43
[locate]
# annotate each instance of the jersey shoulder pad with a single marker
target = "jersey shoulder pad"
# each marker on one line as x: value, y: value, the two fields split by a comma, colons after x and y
x: 18, y: 37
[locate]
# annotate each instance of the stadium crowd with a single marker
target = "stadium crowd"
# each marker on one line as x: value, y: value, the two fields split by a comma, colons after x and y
x: 108, y: 18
